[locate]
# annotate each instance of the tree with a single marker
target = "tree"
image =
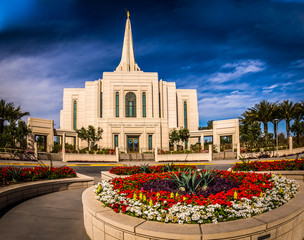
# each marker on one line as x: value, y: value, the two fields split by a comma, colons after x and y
x: 184, y: 134
x: 181, y: 135
x: 297, y: 128
x: 173, y: 136
x: 15, y: 135
x: 262, y: 112
x: 209, y: 125
x: 90, y: 135
x: 8, y: 113
x: 250, y: 133
x: 288, y: 112
x: 276, y: 118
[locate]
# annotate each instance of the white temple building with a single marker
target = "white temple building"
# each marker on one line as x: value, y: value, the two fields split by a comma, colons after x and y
x: 134, y: 108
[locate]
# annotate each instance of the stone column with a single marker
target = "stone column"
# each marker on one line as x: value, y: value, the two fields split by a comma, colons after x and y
x: 36, y: 150
x: 156, y: 155
x: 210, y: 152
x: 63, y: 147
x: 117, y: 154
x: 290, y: 145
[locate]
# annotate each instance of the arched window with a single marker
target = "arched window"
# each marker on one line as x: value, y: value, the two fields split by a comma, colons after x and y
x: 74, y: 114
x: 117, y: 104
x: 185, y: 115
x: 144, y: 104
x: 130, y: 104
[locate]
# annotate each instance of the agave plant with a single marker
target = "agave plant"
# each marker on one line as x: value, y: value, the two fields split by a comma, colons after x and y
x: 15, y: 173
x: 207, y: 178
x: 190, y: 181
x: 169, y: 167
x: 144, y: 168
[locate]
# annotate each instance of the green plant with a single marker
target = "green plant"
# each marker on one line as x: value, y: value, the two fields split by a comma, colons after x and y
x: 82, y: 151
x: 91, y: 152
x: 144, y: 168
x: 15, y: 173
x: 190, y: 181
x: 169, y: 167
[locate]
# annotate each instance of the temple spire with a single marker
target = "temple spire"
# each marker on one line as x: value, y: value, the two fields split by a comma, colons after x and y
x: 127, y: 62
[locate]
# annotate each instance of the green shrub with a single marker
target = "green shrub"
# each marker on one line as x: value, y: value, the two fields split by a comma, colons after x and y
x: 82, y: 151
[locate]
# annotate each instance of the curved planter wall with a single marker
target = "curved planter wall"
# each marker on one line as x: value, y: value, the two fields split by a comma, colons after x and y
x: 23, y: 191
x: 285, y: 222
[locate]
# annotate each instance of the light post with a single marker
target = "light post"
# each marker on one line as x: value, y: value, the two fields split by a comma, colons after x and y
x: 277, y: 138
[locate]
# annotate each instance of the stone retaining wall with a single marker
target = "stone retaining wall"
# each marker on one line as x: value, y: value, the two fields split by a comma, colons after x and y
x: 285, y: 222
x: 78, y: 157
x: 20, y: 192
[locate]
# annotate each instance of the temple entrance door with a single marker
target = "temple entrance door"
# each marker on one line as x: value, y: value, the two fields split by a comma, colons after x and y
x: 133, y: 143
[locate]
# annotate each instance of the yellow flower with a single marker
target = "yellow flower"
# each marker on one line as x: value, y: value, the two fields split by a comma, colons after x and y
x: 134, y: 196
x: 235, y: 195
x: 151, y: 202
x: 172, y: 195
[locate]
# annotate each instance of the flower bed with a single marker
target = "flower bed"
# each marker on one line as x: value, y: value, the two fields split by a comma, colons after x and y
x: 149, y: 169
x: 246, y: 194
x: 270, y: 165
x: 12, y: 175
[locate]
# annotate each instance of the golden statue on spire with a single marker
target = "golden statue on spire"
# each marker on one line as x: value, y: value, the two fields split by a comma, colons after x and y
x: 128, y: 14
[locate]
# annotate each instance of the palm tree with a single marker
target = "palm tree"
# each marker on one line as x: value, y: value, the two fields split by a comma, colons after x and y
x: 262, y: 112
x: 288, y: 112
x: 276, y: 118
x: 9, y: 113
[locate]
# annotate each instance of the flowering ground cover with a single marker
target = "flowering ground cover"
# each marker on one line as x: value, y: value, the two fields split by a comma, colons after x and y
x: 279, y: 165
x: 12, y: 174
x: 230, y: 195
x: 148, y: 169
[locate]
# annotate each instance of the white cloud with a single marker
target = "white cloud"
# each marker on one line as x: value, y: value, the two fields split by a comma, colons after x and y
x: 298, y: 63
x: 237, y: 70
x: 37, y: 82
x: 270, y: 88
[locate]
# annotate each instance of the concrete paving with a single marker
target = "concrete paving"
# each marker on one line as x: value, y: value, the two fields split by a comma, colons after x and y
x: 52, y: 216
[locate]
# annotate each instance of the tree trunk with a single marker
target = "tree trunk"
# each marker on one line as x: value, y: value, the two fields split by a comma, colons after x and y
x: 287, y: 129
x: 89, y: 145
x: 266, y: 131
x: 275, y: 130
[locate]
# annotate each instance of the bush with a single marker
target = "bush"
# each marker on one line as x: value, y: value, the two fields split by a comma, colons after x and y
x: 82, y: 151
x: 91, y: 152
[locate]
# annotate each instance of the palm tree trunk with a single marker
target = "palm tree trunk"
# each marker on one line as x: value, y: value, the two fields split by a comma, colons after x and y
x: 288, y: 129
x: 266, y: 131
x: 275, y: 130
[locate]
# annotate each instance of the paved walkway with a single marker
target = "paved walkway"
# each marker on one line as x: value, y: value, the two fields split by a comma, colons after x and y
x: 52, y: 216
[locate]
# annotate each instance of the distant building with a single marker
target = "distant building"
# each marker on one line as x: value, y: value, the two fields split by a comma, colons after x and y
x: 135, y: 109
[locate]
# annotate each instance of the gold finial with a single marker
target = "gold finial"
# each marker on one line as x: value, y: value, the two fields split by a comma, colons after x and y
x: 128, y: 14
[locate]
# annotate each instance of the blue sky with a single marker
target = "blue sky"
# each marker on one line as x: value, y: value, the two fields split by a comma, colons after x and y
x: 235, y: 53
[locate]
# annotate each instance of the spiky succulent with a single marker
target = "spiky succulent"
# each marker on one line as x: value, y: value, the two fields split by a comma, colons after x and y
x: 144, y: 168
x: 169, y: 167
x: 190, y: 181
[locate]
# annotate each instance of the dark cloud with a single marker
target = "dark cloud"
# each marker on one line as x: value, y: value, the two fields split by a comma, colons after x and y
x: 189, y: 42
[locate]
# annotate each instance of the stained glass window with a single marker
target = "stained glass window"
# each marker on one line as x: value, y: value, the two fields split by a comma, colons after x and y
x: 117, y: 104
x: 144, y: 104
x: 75, y: 115
x: 130, y: 104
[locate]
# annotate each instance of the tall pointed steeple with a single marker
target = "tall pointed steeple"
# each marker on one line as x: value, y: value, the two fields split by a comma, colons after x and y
x: 127, y: 62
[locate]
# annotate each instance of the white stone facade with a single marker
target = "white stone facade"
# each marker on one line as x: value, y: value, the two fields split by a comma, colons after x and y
x: 147, y: 119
